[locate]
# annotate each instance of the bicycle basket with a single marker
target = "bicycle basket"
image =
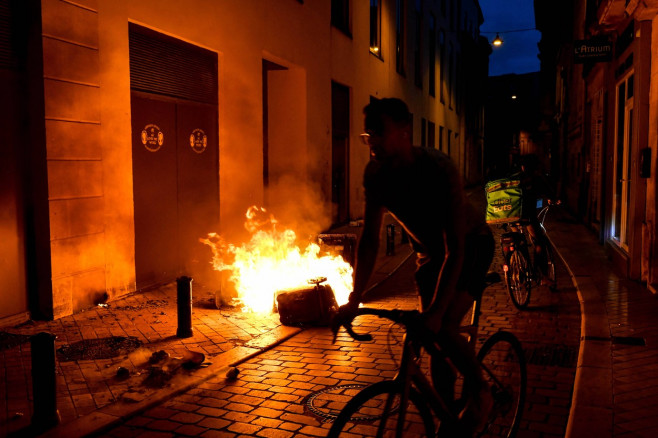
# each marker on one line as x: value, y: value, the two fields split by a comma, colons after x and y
x: 504, y: 200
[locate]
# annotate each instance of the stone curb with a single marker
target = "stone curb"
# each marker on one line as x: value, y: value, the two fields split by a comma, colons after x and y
x: 591, y: 411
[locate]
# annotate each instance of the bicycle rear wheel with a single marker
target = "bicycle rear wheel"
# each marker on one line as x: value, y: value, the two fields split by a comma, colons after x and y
x: 504, y: 367
x: 519, y: 283
x: 366, y: 414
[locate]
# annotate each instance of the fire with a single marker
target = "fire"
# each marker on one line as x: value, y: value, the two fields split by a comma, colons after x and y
x: 272, y: 261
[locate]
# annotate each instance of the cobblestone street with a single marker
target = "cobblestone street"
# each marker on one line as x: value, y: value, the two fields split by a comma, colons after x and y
x: 274, y: 392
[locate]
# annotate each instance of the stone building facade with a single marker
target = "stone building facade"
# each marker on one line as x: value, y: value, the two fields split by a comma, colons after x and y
x: 600, y: 57
x: 132, y: 128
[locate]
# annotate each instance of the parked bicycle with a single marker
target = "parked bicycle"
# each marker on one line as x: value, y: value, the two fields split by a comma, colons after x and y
x: 520, y: 265
x: 408, y: 404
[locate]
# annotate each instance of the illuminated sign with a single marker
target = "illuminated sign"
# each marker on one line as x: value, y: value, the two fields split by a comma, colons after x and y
x: 594, y: 50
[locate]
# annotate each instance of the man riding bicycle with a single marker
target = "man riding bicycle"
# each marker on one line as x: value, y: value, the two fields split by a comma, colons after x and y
x: 422, y: 189
x: 535, y: 186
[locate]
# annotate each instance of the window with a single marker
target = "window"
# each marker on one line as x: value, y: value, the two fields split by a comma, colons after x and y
x: 448, y: 152
x: 451, y: 74
x: 375, y: 27
x: 441, y: 138
x: 431, y: 47
x: 423, y: 127
x: 418, y: 20
x: 442, y: 59
x: 458, y: 84
x: 400, y: 35
x: 340, y: 15
x: 430, y: 135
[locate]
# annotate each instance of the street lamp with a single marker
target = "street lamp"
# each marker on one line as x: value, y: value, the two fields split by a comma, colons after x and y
x: 498, y: 41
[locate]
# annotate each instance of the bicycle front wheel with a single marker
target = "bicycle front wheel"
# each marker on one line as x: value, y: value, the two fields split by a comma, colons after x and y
x: 504, y: 368
x: 375, y: 412
x: 519, y: 283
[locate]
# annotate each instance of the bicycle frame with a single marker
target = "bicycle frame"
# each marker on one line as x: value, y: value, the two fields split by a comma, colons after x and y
x: 411, y: 377
x: 410, y: 372
x: 519, y: 233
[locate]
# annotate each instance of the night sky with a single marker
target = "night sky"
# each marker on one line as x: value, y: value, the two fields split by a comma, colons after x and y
x: 518, y: 54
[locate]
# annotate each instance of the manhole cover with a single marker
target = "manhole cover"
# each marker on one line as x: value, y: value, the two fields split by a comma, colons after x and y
x: 103, y: 348
x: 328, y: 402
x: 10, y: 340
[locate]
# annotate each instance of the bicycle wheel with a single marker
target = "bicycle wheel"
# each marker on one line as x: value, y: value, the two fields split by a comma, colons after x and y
x: 519, y: 283
x: 365, y: 414
x: 551, y: 271
x: 504, y: 367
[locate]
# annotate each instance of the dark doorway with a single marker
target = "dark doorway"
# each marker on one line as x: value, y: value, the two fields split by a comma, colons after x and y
x: 340, y: 148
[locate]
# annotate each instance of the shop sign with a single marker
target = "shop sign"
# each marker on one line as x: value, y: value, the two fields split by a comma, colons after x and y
x: 594, y: 50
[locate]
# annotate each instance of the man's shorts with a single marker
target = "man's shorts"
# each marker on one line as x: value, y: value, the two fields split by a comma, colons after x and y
x: 479, y: 252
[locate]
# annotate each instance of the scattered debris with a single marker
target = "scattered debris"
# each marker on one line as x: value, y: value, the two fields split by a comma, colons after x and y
x: 164, y: 367
x: 157, y: 377
x: 193, y: 359
x: 158, y: 356
x: 232, y: 373
x: 123, y: 373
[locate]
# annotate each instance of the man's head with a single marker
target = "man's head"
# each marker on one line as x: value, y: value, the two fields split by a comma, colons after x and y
x: 387, y: 128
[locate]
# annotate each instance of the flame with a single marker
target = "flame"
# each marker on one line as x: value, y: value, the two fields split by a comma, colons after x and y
x: 272, y: 262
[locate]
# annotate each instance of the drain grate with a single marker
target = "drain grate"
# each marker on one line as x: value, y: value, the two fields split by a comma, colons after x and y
x: 10, y: 340
x: 103, y: 348
x: 552, y: 355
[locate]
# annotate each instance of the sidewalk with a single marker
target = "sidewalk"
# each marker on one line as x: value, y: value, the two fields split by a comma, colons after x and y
x: 616, y: 386
x: 92, y: 394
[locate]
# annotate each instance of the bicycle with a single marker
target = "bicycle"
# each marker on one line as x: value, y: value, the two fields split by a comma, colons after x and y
x: 409, y: 405
x: 520, y: 269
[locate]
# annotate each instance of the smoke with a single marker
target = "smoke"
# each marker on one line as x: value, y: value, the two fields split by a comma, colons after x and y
x: 298, y: 206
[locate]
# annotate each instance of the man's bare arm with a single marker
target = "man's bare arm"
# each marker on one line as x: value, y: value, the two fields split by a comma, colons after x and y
x: 367, y: 249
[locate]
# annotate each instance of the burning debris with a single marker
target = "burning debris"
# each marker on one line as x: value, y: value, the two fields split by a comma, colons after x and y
x: 272, y: 261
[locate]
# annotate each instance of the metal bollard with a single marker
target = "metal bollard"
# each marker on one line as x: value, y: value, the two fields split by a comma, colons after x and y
x: 390, y: 239
x: 44, y: 383
x: 184, y: 299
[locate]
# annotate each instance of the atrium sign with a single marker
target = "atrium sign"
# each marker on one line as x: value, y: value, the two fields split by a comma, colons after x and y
x: 594, y: 50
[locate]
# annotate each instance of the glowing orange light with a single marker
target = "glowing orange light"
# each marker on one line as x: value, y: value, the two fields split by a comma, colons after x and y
x: 272, y: 261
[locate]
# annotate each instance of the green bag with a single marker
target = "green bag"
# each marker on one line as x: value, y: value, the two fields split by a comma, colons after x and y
x: 504, y: 200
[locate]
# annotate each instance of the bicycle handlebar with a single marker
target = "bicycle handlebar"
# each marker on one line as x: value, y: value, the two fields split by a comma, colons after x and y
x: 411, y: 319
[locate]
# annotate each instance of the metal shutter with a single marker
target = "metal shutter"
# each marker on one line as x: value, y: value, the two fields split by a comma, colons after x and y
x: 163, y: 65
